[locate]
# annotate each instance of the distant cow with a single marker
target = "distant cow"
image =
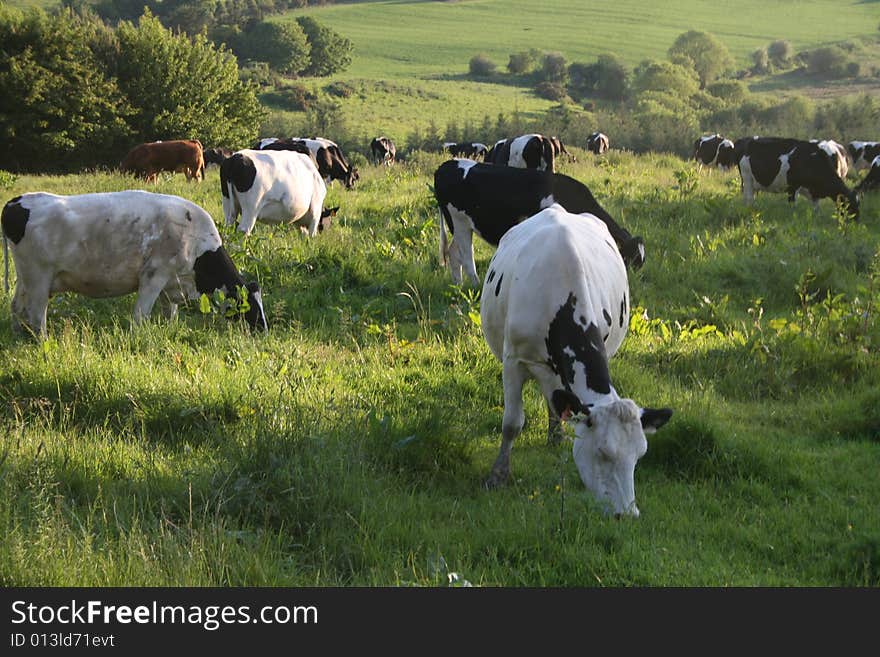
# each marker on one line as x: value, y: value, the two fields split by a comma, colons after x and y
x: 838, y: 155
x: 597, y: 142
x: 714, y: 150
x: 555, y: 308
x: 111, y: 244
x: 150, y: 159
x: 872, y: 180
x: 863, y: 153
x: 216, y: 155
x: 383, y: 150
x: 472, y: 150
x: 532, y: 151
x: 791, y: 165
x: 490, y: 200
x: 273, y: 187
x: 327, y: 155
x: 559, y: 149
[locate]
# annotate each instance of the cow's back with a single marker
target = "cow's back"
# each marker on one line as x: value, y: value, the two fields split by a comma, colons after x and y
x: 546, y: 262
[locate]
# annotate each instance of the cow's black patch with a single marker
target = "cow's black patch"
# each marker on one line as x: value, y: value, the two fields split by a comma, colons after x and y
x: 569, y: 342
x: 214, y: 270
x: 607, y: 316
x: 188, y: 216
x: 238, y: 170
x: 498, y: 286
x: 491, y: 275
x: 622, y: 310
x: 14, y: 220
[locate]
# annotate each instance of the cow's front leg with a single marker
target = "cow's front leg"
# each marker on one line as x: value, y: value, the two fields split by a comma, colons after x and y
x: 464, y: 241
x: 151, y: 286
x: 514, y: 376
x: 29, y: 306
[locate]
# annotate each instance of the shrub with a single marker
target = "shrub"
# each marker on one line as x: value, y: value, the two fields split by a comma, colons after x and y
x: 780, y: 53
x: 330, y: 51
x: 522, y: 62
x: 283, y: 46
x: 731, y: 91
x: 665, y: 77
x: 481, y: 66
x: 293, y: 97
x: 828, y: 62
x: 761, y: 61
x: 551, y: 90
x: 554, y: 68
x: 340, y: 89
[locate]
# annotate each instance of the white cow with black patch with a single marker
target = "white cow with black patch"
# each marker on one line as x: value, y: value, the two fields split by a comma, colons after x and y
x: 111, y: 244
x: 555, y: 308
x: 273, y: 187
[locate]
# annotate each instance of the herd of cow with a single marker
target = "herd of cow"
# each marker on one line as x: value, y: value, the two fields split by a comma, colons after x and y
x: 552, y: 237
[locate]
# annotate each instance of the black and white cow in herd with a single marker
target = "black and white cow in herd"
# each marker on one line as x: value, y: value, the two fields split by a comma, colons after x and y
x: 472, y: 150
x: 714, y: 150
x: 597, y: 142
x: 163, y: 247
x: 216, y: 155
x: 327, y: 155
x: 863, y: 153
x: 383, y: 150
x: 490, y: 200
x: 560, y: 149
x: 872, y: 180
x: 555, y: 308
x: 837, y: 153
x: 777, y: 164
x: 531, y: 151
x: 273, y: 187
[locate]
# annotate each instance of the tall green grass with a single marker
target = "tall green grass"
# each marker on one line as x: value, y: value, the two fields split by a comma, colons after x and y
x: 348, y: 446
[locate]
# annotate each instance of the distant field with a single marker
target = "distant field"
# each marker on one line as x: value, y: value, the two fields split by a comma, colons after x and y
x: 427, y: 46
x: 402, y: 39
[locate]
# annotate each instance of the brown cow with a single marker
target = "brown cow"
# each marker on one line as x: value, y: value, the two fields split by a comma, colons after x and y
x: 149, y: 159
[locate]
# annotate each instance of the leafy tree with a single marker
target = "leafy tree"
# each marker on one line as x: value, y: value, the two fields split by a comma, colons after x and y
x: 708, y: 56
x: 330, y: 51
x: 57, y: 109
x: 283, y: 46
x: 183, y: 87
x: 665, y: 77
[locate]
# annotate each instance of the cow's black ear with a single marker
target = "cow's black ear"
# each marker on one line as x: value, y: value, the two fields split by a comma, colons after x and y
x: 566, y: 404
x: 654, y: 418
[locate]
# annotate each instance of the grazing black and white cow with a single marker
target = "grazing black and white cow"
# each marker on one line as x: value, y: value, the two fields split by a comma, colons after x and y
x: 559, y: 149
x: 794, y: 166
x: 555, y: 308
x: 714, y: 150
x: 837, y: 153
x: 532, y: 151
x: 327, y: 155
x: 863, y: 153
x: 383, y: 150
x: 472, y: 150
x: 872, y: 180
x: 273, y: 187
x: 112, y: 244
x: 490, y: 200
x: 597, y: 142
x: 216, y: 155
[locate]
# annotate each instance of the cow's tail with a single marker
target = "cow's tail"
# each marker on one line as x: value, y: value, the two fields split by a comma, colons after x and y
x: 5, y: 264
x: 444, y: 240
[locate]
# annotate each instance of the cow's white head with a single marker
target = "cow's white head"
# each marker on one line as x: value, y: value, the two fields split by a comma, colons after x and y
x: 609, y: 441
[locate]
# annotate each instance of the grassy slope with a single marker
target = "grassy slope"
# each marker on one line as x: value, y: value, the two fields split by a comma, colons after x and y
x: 426, y: 46
x: 347, y: 447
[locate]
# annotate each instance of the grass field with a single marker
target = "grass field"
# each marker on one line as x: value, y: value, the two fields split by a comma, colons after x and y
x: 423, y: 49
x: 347, y: 446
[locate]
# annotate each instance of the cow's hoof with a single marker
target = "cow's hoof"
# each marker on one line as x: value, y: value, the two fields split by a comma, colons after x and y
x: 496, y: 480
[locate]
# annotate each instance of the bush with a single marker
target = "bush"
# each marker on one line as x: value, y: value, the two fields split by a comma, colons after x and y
x: 522, y: 62
x: 708, y: 56
x: 730, y: 91
x: 665, y: 77
x: 828, y: 62
x: 551, y: 91
x: 554, y: 68
x: 294, y: 97
x: 330, y: 51
x: 340, y: 89
x: 780, y: 53
x: 761, y: 61
x: 481, y: 66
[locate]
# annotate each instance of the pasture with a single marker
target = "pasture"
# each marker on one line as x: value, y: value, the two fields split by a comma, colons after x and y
x: 348, y: 446
x: 410, y: 60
